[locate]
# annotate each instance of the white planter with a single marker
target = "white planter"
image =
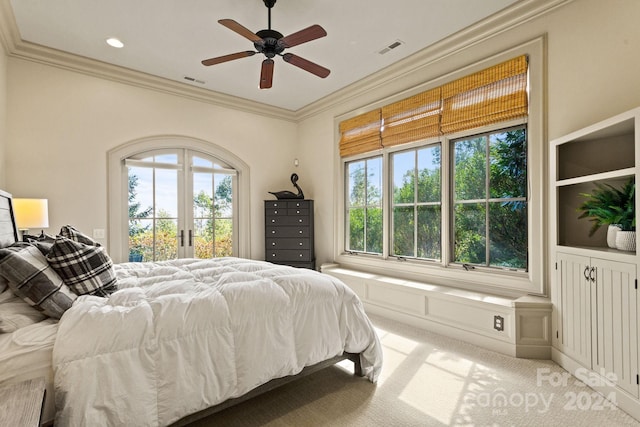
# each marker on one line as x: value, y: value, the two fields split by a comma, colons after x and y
x: 626, y: 240
x: 611, y: 235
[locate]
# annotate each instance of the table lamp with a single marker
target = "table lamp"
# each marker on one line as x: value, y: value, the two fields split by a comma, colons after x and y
x: 31, y: 213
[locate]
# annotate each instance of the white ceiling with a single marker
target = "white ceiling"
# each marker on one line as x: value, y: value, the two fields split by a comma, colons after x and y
x: 169, y: 38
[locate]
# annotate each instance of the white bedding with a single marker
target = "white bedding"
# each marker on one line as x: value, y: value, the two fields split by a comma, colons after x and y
x: 26, y: 354
x: 180, y: 336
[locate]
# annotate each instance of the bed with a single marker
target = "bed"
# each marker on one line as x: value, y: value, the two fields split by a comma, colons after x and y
x: 179, y: 340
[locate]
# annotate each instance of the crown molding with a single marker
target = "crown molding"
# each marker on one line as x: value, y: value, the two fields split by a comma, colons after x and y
x: 502, y: 21
x: 15, y: 47
x: 491, y: 26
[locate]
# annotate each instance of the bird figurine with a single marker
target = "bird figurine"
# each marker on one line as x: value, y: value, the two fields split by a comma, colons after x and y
x: 289, y: 194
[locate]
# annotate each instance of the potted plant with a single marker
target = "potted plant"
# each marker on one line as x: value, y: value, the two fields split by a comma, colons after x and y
x: 608, y: 205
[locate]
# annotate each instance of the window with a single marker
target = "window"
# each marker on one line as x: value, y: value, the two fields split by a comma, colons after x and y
x: 417, y: 203
x: 163, y: 223
x: 462, y: 167
x: 490, y: 199
x: 364, y: 205
x: 175, y: 196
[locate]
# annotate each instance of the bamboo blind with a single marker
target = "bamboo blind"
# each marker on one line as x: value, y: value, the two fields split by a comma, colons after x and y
x: 360, y: 134
x: 489, y: 96
x: 492, y: 95
x: 412, y: 119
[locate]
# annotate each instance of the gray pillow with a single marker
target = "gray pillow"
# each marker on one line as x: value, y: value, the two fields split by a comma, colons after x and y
x: 76, y: 235
x: 85, y: 269
x: 31, y: 278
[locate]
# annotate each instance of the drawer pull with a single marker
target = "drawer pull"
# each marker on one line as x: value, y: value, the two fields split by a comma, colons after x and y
x: 273, y: 231
x: 301, y: 255
x: 297, y: 212
x: 273, y: 220
x: 273, y: 254
x: 275, y: 212
x: 273, y: 244
x: 300, y: 220
x: 300, y: 243
x: 298, y: 232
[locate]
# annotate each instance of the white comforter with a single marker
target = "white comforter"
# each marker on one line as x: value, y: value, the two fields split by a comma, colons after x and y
x: 180, y: 336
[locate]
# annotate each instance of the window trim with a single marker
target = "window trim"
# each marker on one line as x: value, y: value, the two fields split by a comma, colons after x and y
x: 503, y: 282
x: 117, y: 186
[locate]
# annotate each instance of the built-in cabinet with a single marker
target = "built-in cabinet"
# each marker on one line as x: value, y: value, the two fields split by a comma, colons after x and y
x: 594, y: 287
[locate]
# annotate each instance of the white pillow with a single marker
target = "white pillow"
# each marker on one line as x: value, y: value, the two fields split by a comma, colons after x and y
x: 15, y: 313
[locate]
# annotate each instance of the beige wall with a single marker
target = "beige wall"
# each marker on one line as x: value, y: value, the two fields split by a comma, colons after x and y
x: 61, y: 125
x: 593, y: 63
x: 3, y: 113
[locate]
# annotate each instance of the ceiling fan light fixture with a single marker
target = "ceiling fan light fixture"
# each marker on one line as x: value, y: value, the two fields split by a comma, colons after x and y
x: 114, y: 42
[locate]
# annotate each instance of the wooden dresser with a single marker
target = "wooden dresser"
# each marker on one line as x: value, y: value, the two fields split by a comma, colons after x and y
x: 289, y: 232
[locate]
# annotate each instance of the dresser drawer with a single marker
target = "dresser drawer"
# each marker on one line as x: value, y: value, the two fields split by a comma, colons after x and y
x: 276, y: 211
x: 289, y: 255
x: 282, y: 243
x: 275, y: 204
x: 287, y: 220
x: 287, y: 232
x: 298, y: 212
x: 303, y: 204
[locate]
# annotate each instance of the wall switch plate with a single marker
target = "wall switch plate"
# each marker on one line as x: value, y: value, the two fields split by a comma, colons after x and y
x: 98, y: 233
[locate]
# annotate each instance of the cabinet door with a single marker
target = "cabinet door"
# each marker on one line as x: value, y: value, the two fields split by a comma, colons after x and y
x: 615, y: 343
x: 572, y: 305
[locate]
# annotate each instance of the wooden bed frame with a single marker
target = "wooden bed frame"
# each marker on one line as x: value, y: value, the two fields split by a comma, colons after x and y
x: 9, y: 235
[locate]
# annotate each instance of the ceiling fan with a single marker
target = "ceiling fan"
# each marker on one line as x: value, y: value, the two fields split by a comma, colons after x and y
x: 271, y: 43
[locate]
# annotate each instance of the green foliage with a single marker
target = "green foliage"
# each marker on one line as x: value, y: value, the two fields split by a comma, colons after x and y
x: 607, y: 205
x: 158, y: 240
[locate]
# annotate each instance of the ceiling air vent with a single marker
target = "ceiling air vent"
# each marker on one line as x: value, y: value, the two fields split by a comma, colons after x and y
x: 392, y: 46
x: 191, y: 79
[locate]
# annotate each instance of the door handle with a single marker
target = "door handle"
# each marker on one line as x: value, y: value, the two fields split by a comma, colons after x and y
x: 586, y: 273
x: 591, y: 274
x: 190, y: 237
x: 181, y: 237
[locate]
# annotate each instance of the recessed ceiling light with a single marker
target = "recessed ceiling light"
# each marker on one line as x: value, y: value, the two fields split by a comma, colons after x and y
x: 114, y: 42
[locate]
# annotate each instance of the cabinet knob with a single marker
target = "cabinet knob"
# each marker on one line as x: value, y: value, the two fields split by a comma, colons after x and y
x: 275, y: 212
x: 297, y: 212
x: 273, y: 220
x: 273, y: 244
x: 273, y: 231
x: 300, y: 231
x: 300, y: 220
x: 273, y: 254
x: 301, y: 255
x: 300, y: 243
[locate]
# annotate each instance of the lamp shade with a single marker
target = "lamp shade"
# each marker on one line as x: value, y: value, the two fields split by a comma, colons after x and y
x: 31, y: 213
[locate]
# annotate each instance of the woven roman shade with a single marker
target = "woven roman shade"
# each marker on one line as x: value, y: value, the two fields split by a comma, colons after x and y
x: 360, y: 134
x: 412, y: 119
x: 489, y: 96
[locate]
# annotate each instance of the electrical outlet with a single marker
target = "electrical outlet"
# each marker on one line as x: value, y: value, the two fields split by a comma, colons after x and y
x: 98, y: 233
x: 498, y: 323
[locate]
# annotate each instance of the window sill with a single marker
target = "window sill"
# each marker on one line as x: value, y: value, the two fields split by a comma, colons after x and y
x: 503, y: 283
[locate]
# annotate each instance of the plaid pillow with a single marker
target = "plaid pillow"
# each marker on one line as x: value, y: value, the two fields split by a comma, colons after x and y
x: 74, y: 234
x: 31, y: 278
x: 85, y: 269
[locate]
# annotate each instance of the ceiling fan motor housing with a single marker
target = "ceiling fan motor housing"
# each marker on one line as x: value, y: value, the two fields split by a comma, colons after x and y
x: 269, y: 45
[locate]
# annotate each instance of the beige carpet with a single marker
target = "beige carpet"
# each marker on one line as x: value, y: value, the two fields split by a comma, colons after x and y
x: 430, y: 380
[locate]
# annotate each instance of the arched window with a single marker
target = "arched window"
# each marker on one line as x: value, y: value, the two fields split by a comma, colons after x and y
x: 176, y: 197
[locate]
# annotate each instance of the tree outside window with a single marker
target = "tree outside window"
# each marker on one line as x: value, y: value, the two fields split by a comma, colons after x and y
x: 417, y: 203
x: 364, y: 205
x: 490, y: 199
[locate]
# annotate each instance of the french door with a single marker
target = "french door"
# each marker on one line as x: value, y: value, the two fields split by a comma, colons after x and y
x: 180, y: 205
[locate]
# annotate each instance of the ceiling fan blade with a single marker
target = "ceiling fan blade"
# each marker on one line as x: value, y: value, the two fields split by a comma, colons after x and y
x: 230, y: 57
x: 310, y: 33
x: 243, y: 31
x: 266, y: 75
x: 306, y: 65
